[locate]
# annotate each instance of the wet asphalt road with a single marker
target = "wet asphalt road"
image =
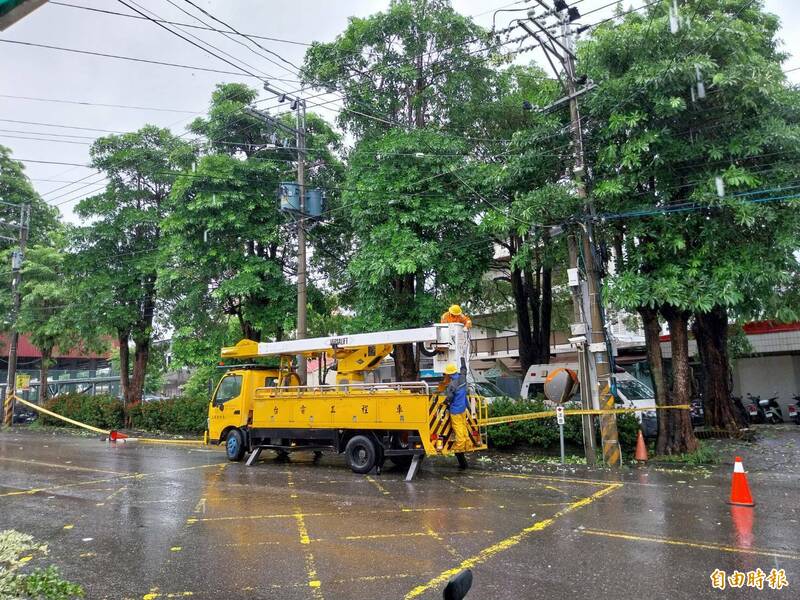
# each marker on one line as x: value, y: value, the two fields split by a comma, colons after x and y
x: 143, y: 521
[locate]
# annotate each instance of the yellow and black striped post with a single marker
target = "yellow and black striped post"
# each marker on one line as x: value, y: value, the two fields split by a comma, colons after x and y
x: 612, y: 455
x: 8, y: 410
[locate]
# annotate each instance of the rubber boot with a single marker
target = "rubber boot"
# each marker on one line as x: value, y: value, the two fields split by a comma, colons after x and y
x: 462, y: 460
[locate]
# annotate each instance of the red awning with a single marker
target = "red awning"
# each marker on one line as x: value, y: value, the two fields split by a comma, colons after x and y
x: 27, y: 350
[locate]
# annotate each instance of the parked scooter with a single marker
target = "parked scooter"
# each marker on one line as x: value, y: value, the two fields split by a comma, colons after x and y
x: 697, y: 412
x: 772, y: 410
x: 794, y: 410
x: 754, y: 410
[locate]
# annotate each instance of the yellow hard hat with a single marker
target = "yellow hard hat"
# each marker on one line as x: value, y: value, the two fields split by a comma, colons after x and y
x: 454, y: 310
x: 451, y: 369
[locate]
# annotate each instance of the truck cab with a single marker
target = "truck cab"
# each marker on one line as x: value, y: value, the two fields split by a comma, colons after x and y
x: 231, y: 404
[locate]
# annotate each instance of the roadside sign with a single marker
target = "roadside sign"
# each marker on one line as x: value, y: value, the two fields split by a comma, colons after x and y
x: 560, y: 415
x: 23, y: 382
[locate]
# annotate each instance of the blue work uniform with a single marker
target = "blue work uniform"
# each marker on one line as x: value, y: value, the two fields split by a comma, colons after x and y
x: 457, y: 391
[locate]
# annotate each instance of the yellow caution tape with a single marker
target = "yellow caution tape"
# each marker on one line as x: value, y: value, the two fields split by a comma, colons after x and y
x: 551, y: 413
x: 105, y: 431
x: 63, y: 418
x: 167, y: 441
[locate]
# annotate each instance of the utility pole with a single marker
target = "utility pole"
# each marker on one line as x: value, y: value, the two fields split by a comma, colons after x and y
x: 299, y: 131
x: 558, y: 44
x: 16, y: 281
x: 302, y: 288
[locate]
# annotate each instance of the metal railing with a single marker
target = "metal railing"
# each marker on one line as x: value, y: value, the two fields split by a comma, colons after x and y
x: 64, y: 375
x: 372, y: 388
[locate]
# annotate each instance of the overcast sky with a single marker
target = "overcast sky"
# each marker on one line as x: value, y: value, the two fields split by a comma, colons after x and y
x: 179, y: 94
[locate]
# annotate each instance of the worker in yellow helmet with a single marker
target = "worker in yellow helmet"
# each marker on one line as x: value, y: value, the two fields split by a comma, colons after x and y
x: 457, y: 404
x: 454, y: 314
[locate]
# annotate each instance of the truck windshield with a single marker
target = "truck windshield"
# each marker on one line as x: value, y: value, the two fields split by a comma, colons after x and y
x: 489, y: 390
x: 228, y: 389
x: 634, y: 390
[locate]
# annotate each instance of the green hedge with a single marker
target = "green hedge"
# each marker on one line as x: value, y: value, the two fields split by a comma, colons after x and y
x: 543, y: 433
x: 175, y: 415
x: 101, y: 411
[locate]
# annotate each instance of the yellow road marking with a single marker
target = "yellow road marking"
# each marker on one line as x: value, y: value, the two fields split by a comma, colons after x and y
x: 554, y: 479
x: 555, y: 489
x: 700, y: 545
x: 509, y: 542
x: 176, y: 549
x: 68, y: 526
x: 377, y: 484
x: 310, y: 564
x: 392, y: 511
x: 381, y: 536
x: 460, y: 485
x: 114, y: 493
x: 63, y: 466
x: 452, y: 551
x: 96, y: 481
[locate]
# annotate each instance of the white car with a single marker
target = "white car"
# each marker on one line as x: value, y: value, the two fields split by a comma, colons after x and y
x: 631, y: 392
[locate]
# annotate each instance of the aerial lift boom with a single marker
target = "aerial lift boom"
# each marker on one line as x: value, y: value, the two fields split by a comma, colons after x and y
x: 362, y: 352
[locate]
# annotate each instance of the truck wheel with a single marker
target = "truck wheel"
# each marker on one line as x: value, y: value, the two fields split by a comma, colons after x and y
x: 361, y: 454
x: 402, y: 461
x: 234, y: 445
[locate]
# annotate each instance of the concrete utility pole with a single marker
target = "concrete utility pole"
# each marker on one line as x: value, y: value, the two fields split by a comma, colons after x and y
x: 299, y: 106
x: 16, y: 281
x: 302, y: 287
x: 596, y: 376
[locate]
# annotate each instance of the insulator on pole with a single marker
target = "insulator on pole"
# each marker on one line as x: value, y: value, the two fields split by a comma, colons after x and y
x: 701, y: 86
x: 674, y: 17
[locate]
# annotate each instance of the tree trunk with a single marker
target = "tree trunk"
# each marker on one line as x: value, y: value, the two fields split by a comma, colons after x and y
x: 124, y: 368
x: 711, y: 333
x: 47, y: 353
x: 652, y: 342
x: 680, y: 434
x: 526, y: 358
x: 405, y: 364
x: 140, y: 358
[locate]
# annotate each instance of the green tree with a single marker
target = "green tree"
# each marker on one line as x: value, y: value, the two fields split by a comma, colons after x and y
x: 16, y: 190
x: 659, y: 147
x: 524, y: 178
x: 116, y: 253
x: 230, y: 251
x: 416, y: 244
x: 413, y: 79
x: 46, y: 307
x: 419, y: 63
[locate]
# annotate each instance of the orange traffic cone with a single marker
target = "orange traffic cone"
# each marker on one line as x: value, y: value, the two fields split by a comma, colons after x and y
x: 641, y: 448
x: 740, y: 491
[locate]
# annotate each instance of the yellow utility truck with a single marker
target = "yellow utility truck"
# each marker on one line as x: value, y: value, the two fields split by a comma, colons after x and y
x: 255, y: 408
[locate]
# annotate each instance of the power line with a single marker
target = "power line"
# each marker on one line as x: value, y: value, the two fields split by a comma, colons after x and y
x: 139, y: 60
x: 247, y: 37
x: 86, y: 103
x: 120, y: 14
x: 59, y: 126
